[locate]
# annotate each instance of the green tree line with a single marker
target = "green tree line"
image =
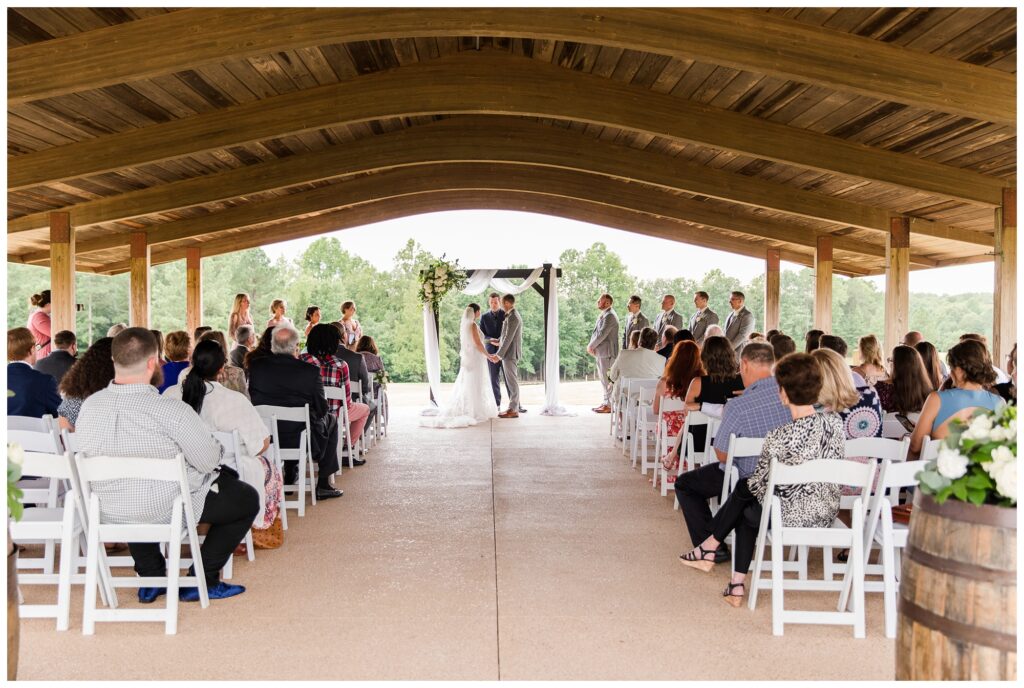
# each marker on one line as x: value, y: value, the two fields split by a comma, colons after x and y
x: 327, y: 275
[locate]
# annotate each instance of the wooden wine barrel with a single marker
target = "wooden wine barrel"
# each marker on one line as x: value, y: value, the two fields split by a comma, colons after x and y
x: 958, y: 593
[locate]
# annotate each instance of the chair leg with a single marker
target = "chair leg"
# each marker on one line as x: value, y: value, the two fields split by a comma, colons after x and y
x: 778, y: 557
x: 67, y: 553
x: 174, y: 570
x: 250, y: 551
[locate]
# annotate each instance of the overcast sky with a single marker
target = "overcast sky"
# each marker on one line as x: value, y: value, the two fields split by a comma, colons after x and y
x: 496, y: 239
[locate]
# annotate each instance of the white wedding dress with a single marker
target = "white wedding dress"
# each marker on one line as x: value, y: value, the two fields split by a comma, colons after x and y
x: 472, y: 399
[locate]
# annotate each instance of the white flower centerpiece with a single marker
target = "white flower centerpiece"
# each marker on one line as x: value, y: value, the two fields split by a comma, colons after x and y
x: 977, y: 462
x: 438, y: 279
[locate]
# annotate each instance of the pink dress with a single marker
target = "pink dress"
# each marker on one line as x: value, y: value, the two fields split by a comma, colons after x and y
x: 39, y: 326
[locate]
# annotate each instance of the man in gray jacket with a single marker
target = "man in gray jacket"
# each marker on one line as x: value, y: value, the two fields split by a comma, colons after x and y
x: 604, y: 346
x: 668, y: 316
x: 703, y: 318
x: 635, y: 321
x: 510, y: 349
x: 740, y: 322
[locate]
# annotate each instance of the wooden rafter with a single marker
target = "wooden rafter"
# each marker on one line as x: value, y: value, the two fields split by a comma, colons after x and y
x: 489, y: 139
x: 498, y: 84
x: 744, y: 40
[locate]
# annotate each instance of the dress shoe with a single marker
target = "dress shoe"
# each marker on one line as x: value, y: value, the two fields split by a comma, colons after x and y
x: 509, y: 414
x: 603, y: 409
x: 356, y: 462
x: 328, y: 493
x: 149, y: 595
x: 522, y: 410
x: 220, y: 591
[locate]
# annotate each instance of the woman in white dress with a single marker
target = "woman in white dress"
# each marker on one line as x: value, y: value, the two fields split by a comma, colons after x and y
x: 472, y: 399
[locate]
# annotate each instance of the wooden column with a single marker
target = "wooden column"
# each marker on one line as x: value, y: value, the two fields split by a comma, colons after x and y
x: 771, y: 290
x: 138, y: 303
x: 62, y: 273
x: 193, y: 289
x: 897, y: 282
x: 823, y: 284
x: 1004, y: 311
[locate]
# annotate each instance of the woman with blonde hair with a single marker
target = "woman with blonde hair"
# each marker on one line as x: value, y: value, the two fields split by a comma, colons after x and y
x: 871, y: 367
x: 278, y: 307
x: 351, y: 329
x: 240, y: 314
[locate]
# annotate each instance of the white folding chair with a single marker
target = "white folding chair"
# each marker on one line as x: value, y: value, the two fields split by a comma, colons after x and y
x: 693, y: 457
x: 615, y: 402
x: 381, y: 417
x: 645, y: 420
x: 41, y: 491
x: 344, y: 436
x: 358, y: 395
x: 306, y: 476
x: 839, y: 472
x: 630, y: 405
x: 661, y: 435
x: 44, y: 424
x: 100, y: 468
x: 269, y: 424
x: 930, y: 449
x: 232, y: 456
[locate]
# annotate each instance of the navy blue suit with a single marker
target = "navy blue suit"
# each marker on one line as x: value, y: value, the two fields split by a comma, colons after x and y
x: 490, y: 325
x: 35, y: 393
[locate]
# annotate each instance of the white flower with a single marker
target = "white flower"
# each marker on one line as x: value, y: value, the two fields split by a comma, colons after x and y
x: 979, y: 429
x: 999, y: 434
x: 15, y: 454
x: 951, y: 463
x: 1005, y: 475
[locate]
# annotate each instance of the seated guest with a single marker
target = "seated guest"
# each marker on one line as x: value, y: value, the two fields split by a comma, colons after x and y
x: 91, y: 373
x: 367, y: 348
x: 642, y: 362
x: 871, y: 367
x: 857, y: 404
x: 261, y: 350
x: 908, y: 385
x: 755, y: 413
x: 782, y: 345
x: 912, y: 338
x: 130, y: 419
x: 970, y: 369
x: 177, y: 347
x: 812, y: 340
x: 312, y: 318
x: 1002, y: 377
x: 932, y: 364
x: 714, y: 331
x: 231, y: 377
x: 281, y: 379
x: 771, y: 333
x: 225, y: 410
x: 683, y: 367
x: 159, y: 345
x: 667, y: 342
x: 634, y: 340
x: 244, y: 336
x: 358, y: 373
x: 62, y: 356
x: 321, y: 351
x: 838, y: 344
x: 30, y: 392
x: 116, y: 329
x: 683, y: 335
x: 807, y: 436
x: 198, y: 333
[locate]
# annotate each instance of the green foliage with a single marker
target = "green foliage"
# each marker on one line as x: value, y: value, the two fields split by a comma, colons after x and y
x: 15, y: 456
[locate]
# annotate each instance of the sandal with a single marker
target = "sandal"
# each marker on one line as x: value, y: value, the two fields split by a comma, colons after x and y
x: 730, y: 597
x: 701, y: 563
x: 844, y: 556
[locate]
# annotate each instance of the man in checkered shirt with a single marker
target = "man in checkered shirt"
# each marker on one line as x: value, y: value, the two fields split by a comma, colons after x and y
x: 758, y: 410
x: 129, y: 418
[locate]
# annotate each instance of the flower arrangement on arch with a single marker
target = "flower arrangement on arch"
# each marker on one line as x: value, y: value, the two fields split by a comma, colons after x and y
x: 977, y: 462
x: 439, y: 278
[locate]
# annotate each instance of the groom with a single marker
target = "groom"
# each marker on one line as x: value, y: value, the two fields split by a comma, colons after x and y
x: 510, y: 348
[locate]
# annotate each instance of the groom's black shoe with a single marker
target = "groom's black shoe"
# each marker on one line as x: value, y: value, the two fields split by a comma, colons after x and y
x: 522, y: 410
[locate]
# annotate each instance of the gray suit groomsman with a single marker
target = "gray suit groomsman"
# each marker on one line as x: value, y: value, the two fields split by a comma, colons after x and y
x: 635, y: 321
x: 510, y: 349
x: 668, y: 316
x: 604, y: 346
x: 740, y: 322
x: 703, y: 318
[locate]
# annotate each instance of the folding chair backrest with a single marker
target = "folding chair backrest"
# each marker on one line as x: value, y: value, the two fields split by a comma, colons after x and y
x: 738, y: 446
x: 646, y: 394
x: 334, y: 392
x: 881, y: 448
x: 930, y: 449
x: 42, y: 441
x: 93, y: 469
x: 836, y: 471
x: 671, y: 404
x: 231, y: 444
x: 44, y: 424
x: 294, y: 414
x: 46, y: 465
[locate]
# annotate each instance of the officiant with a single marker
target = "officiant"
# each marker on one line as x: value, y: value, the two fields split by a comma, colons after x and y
x: 490, y: 325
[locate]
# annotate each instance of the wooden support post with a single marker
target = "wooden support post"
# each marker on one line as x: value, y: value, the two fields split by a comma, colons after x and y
x: 138, y: 285
x: 193, y: 289
x: 823, y: 284
x: 897, y: 282
x: 1004, y: 311
x: 771, y: 290
x: 62, y: 273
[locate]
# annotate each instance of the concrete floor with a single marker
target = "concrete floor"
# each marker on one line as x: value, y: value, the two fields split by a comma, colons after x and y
x: 520, y: 549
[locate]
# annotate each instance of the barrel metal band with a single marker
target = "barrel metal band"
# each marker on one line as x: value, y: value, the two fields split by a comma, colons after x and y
x: 959, y: 568
x: 987, y: 515
x: 955, y: 630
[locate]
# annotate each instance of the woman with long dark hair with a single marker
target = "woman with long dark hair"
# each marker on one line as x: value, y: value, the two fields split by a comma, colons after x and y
x: 90, y: 373
x: 224, y: 410
x: 908, y: 385
x: 932, y: 363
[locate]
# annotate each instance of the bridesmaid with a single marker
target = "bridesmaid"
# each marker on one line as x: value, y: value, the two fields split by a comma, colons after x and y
x: 278, y: 307
x: 353, y: 330
x: 312, y: 318
x: 240, y: 314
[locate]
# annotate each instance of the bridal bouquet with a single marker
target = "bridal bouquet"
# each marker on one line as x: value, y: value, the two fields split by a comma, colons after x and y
x: 439, y: 278
x: 977, y: 462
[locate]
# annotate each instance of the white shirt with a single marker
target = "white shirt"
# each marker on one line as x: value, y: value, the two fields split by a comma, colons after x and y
x: 638, y: 363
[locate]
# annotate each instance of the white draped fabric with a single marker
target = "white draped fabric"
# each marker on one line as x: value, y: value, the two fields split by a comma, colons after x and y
x: 477, y: 283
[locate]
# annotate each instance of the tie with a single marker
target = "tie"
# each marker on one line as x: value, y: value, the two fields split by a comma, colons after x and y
x: 728, y: 323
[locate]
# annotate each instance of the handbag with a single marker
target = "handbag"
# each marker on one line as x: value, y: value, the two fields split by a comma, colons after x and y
x: 269, y: 538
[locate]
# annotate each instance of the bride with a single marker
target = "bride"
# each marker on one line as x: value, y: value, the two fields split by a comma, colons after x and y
x: 472, y: 399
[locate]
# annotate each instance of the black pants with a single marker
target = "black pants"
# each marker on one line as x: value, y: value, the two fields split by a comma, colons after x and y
x: 693, y: 490
x: 495, y: 370
x: 742, y: 513
x: 324, y: 446
x: 230, y: 512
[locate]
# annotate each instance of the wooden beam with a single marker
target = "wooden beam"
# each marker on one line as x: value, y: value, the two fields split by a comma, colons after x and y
x: 489, y: 83
x: 193, y: 288
x: 495, y: 139
x: 138, y: 285
x: 744, y: 40
x: 897, y: 283
x: 1004, y: 311
x: 62, y: 273
x: 427, y: 202
x: 772, y: 288
x: 823, y: 283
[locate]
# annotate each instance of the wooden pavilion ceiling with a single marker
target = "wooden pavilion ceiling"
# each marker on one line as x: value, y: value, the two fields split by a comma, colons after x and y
x: 734, y: 129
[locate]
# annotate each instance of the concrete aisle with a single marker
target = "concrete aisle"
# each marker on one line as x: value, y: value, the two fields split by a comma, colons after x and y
x: 521, y: 549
